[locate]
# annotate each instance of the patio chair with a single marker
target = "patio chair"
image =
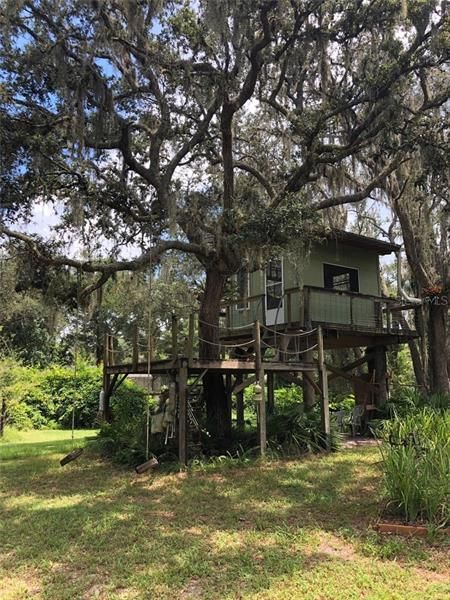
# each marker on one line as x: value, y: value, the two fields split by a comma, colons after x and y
x: 356, y: 419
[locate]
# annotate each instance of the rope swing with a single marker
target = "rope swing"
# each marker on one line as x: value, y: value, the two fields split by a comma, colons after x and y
x: 76, y: 452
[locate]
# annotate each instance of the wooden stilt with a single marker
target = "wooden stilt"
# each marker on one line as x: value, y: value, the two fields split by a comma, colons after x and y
x: 228, y: 390
x: 239, y: 402
x: 182, y: 414
x: 270, y: 393
x: 259, y: 371
x: 324, y: 406
x: 309, y: 398
x: 377, y: 367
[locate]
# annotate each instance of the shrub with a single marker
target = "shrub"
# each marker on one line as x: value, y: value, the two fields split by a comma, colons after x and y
x: 124, y: 438
x: 38, y: 398
x: 295, y: 431
x: 416, y: 465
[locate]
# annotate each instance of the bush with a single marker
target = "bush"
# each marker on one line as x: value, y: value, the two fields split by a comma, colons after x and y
x: 416, y: 465
x: 295, y: 431
x: 38, y: 398
x: 124, y: 438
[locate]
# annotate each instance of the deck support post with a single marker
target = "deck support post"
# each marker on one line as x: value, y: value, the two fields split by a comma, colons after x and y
x: 259, y: 371
x: 229, y: 393
x: 377, y: 373
x: 182, y: 414
x: 309, y: 397
x: 240, y: 403
x: 324, y: 404
x: 270, y: 392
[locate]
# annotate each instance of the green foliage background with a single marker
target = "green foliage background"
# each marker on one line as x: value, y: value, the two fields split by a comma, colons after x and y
x: 38, y: 398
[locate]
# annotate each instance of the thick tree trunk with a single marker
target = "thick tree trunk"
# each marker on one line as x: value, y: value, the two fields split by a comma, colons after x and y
x: 218, y: 418
x: 437, y: 324
x: 377, y: 368
x: 309, y: 394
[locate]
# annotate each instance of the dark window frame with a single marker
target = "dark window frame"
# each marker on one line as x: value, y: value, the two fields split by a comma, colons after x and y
x: 332, y: 273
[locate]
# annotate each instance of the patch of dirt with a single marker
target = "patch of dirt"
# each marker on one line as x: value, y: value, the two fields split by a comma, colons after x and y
x: 330, y: 547
x: 432, y: 576
x: 358, y: 442
x: 95, y: 591
x: 337, y: 549
x: 191, y: 591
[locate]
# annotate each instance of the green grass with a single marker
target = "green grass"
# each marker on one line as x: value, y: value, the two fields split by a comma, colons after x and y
x: 17, y: 444
x: 280, y: 530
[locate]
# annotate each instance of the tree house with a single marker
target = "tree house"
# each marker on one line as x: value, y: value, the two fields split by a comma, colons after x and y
x: 285, y: 319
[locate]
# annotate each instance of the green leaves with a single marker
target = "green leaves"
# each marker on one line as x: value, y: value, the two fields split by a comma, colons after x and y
x: 416, y: 465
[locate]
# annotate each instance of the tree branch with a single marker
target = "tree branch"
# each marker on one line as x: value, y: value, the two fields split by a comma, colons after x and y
x: 41, y: 252
x: 362, y: 194
x: 258, y: 175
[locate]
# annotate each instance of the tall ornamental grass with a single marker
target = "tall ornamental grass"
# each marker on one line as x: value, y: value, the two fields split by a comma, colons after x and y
x: 416, y: 465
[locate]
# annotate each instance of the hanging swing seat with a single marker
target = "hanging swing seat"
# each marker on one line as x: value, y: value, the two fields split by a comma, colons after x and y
x: 71, y: 456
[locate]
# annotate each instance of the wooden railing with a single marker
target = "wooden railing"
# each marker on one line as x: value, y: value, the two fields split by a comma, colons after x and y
x: 350, y: 310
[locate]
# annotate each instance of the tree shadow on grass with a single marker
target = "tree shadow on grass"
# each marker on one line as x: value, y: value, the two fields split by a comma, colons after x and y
x: 208, y: 535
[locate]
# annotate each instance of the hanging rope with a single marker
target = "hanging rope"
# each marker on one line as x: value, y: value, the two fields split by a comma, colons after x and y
x: 288, y: 351
x: 227, y: 345
x: 298, y: 334
x: 149, y: 359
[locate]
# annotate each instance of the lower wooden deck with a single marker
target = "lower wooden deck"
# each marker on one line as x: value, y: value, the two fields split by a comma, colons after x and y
x: 198, y: 365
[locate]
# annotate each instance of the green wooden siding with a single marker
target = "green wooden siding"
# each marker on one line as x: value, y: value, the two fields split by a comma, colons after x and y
x: 325, y: 306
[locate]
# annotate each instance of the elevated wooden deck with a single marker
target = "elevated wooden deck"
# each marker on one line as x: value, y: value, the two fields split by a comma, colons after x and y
x: 348, y: 319
x: 198, y: 365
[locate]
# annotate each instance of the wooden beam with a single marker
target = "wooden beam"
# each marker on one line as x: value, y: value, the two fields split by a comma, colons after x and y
x: 270, y: 392
x: 229, y: 391
x: 324, y: 404
x: 197, y: 379
x: 341, y: 373
x: 350, y: 366
x: 311, y: 381
x: 240, y: 424
x: 182, y: 414
x: 259, y: 372
x: 241, y: 383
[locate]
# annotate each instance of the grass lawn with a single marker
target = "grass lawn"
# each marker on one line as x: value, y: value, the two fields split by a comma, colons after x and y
x: 281, y: 530
x: 17, y: 444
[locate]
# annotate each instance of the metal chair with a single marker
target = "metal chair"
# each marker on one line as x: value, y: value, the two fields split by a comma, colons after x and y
x: 356, y: 419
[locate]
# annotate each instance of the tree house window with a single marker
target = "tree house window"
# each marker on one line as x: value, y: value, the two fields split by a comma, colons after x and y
x: 344, y: 279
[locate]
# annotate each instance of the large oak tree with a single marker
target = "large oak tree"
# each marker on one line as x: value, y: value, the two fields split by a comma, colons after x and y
x: 195, y: 126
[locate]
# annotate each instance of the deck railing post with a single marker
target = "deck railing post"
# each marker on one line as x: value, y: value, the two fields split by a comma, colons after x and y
x: 259, y: 372
x: 324, y: 405
x: 388, y: 318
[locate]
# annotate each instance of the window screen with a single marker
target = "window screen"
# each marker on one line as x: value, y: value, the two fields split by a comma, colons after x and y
x: 340, y: 278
